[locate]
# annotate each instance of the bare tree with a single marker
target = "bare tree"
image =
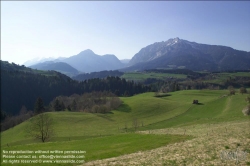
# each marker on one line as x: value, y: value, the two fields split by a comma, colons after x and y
x: 41, y: 127
x: 115, y: 102
x: 243, y: 90
x: 135, y: 123
x: 126, y: 127
x: 231, y: 90
x: 23, y: 110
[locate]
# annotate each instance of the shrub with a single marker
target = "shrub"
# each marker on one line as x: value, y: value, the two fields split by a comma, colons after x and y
x: 246, y: 110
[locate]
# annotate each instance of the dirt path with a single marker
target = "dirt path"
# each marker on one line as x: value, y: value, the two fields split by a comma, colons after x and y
x: 227, y: 105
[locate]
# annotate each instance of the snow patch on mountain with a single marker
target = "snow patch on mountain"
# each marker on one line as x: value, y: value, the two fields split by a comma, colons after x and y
x: 172, y: 42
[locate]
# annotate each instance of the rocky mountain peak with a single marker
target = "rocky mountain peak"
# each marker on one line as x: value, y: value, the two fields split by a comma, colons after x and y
x: 191, y: 55
x: 173, y: 41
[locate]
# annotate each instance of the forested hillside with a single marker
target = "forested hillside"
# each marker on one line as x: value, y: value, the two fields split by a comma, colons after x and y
x: 100, y: 74
x: 21, y: 86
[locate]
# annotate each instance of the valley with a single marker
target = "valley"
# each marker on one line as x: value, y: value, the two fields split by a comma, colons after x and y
x: 166, y: 122
x: 128, y: 83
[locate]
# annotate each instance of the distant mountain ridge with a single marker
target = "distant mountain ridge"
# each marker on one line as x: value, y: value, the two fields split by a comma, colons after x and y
x: 185, y: 54
x: 37, y: 60
x: 41, y: 60
x: 57, y: 66
x: 173, y: 53
x: 84, y: 62
x: 88, y: 61
x: 125, y: 61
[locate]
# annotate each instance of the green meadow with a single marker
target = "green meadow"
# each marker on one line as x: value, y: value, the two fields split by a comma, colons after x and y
x: 222, y: 77
x: 139, y: 76
x: 114, y: 134
x: 219, y: 78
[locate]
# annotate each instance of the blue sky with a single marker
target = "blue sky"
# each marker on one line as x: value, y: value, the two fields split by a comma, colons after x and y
x: 65, y: 28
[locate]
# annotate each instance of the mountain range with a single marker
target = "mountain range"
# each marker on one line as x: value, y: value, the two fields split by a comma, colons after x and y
x: 178, y: 53
x: 171, y: 54
x: 41, y: 60
x: 84, y: 62
x: 87, y: 61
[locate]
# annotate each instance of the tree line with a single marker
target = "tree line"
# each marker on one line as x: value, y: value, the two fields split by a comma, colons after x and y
x: 8, y: 121
x: 95, y: 102
x: 100, y: 74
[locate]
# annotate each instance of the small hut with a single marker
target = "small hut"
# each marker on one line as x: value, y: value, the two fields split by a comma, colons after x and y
x: 195, y: 102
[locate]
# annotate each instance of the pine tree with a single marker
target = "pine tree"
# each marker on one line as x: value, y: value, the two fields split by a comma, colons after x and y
x: 57, y: 106
x: 62, y: 106
x: 74, y: 106
x: 39, y: 107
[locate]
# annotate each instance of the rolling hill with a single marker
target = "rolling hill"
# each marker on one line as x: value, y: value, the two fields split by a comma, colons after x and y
x: 164, y: 122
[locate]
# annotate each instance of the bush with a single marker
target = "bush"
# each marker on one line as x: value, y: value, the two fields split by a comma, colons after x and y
x: 231, y: 90
x: 95, y: 102
x: 243, y: 90
x: 246, y: 110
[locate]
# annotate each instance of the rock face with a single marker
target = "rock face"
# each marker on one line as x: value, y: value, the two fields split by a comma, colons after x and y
x: 178, y: 53
x: 246, y: 110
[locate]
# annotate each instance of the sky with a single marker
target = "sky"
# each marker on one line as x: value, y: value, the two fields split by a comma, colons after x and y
x: 65, y: 28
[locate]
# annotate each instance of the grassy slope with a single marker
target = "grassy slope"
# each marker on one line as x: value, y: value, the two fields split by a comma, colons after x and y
x: 106, y: 146
x: 219, y: 77
x: 143, y: 76
x: 144, y: 107
x: 176, y: 110
x: 222, y: 77
x: 216, y: 110
x: 151, y: 111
